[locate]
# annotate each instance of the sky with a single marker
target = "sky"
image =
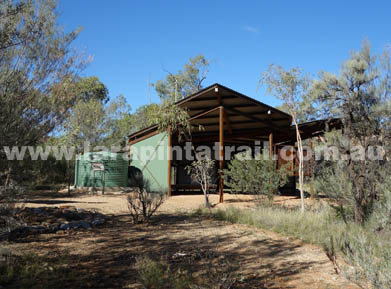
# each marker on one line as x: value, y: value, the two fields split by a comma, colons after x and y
x: 134, y: 42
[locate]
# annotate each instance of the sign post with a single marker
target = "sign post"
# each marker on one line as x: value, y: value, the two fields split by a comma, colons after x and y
x: 99, y: 167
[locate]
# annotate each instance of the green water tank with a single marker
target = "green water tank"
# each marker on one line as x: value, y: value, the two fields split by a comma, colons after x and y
x: 116, y: 170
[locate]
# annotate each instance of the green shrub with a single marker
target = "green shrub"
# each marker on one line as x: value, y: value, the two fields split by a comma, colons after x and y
x: 370, y: 258
x: 151, y: 274
x: 258, y: 175
x: 157, y: 274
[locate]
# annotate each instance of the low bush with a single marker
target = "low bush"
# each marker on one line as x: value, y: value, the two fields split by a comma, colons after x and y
x: 370, y: 258
x: 154, y: 274
x: 158, y: 274
x: 142, y: 205
x: 255, y: 175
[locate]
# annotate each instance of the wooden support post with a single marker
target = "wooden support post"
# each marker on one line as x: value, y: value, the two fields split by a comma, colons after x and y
x: 169, y: 155
x: 311, y: 172
x: 271, y: 145
x: 221, y: 153
x: 271, y: 151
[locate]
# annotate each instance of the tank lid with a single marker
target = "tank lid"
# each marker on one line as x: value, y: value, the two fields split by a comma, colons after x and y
x: 100, y: 156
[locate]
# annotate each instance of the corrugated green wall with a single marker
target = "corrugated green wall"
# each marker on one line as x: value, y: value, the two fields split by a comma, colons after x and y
x: 148, y: 163
x: 116, y: 170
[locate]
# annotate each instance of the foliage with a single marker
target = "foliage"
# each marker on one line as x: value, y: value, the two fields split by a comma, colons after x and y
x: 165, y: 115
x: 158, y: 274
x: 91, y: 88
x: 151, y: 273
x: 144, y: 116
x: 96, y: 123
x: 118, y: 121
x: 25, y: 271
x: 257, y: 175
x: 87, y: 124
x: 370, y: 258
x: 203, y: 172
x: 305, y: 111
x: 335, y: 180
x: 37, y: 70
x: 142, y: 205
x: 360, y: 96
x: 184, y: 83
x: 380, y: 219
x: 168, y: 115
x: 9, y: 196
x: 291, y: 86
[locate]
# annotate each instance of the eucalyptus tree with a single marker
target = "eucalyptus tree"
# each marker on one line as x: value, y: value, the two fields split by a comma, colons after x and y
x: 185, y: 82
x: 88, y: 88
x: 97, y: 124
x: 291, y: 86
x: 38, y: 67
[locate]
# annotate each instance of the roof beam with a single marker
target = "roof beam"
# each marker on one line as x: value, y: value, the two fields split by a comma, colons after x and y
x: 249, y: 116
x: 267, y: 121
x: 230, y: 123
x: 203, y: 113
x: 226, y: 120
x: 242, y: 132
x: 212, y: 106
x: 235, y: 114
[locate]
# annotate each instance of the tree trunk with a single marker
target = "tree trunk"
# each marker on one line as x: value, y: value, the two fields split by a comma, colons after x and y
x: 205, y: 189
x: 312, y: 193
x: 301, y: 164
x: 358, y: 214
x: 69, y: 178
x: 207, y: 204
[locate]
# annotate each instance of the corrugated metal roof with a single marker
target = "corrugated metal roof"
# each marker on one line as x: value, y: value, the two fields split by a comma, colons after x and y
x: 242, y: 112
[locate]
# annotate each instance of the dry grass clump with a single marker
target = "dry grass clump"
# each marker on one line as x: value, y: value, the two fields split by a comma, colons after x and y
x: 366, y: 249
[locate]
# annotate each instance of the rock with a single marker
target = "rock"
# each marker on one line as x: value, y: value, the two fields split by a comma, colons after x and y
x: 85, y: 225
x: 34, y: 229
x: 80, y: 224
x: 54, y: 227
x: 74, y: 225
x: 64, y: 227
x: 49, y: 220
x: 98, y: 222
